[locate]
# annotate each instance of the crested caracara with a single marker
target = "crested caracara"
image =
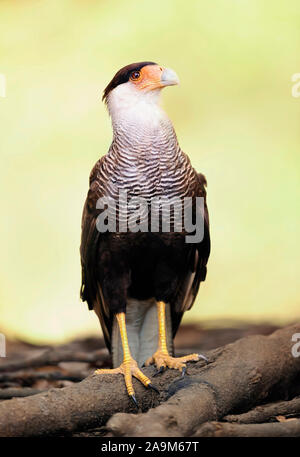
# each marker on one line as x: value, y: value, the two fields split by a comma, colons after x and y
x: 140, y: 282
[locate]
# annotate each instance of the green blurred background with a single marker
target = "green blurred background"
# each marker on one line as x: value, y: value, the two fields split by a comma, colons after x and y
x: 234, y: 115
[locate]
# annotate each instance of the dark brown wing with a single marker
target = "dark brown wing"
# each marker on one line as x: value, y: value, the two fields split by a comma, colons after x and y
x: 89, y: 248
x: 195, y: 271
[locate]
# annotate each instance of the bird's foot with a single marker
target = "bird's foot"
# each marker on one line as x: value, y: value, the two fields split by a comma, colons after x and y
x: 162, y: 360
x: 128, y: 369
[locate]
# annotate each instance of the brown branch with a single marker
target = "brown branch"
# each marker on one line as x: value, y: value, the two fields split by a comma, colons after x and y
x: 267, y: 412
x: 238, y: 377
x: 52, y: 357
x: 274, y: 429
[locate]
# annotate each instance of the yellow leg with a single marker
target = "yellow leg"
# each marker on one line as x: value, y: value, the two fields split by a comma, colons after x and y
x: 161, y: 357
x: 128, y: 367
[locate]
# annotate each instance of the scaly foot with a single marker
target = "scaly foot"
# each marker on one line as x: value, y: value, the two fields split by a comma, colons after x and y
x: 162, y: 360
x: 128, y: 369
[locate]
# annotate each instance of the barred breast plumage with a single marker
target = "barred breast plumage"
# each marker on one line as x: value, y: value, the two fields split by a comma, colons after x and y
x: 145, y: 164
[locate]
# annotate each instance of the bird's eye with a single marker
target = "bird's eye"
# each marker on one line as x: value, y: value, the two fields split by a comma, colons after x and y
x: 135, y: 75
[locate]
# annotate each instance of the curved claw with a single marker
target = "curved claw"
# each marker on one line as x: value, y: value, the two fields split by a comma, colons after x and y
x: 183, y: 372
x: 201, y: 356
x: 134, y: 400
x: 161, y: 370
x: 153, y: 388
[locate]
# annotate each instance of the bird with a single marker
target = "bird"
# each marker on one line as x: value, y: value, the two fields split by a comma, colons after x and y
x: 140, y: 282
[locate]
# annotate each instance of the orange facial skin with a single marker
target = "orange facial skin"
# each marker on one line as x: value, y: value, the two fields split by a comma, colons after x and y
x: 148, y: 78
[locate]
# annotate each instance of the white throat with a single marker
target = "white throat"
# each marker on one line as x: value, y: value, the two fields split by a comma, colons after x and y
x: 132, y: 109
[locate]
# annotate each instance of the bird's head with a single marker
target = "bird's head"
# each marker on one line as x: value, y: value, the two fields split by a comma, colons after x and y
x: 136, y: 84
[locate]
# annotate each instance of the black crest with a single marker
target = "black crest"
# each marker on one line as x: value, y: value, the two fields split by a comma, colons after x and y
x: 123, y: 75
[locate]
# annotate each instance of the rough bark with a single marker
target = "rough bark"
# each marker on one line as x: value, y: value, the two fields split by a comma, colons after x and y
x: 238, y: 377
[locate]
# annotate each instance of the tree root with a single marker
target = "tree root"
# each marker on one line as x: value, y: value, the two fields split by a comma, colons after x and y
x: 244, y: 374
x: 239, y: 376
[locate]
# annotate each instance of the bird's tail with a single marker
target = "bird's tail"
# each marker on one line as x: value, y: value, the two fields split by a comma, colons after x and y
x: 142, y: 331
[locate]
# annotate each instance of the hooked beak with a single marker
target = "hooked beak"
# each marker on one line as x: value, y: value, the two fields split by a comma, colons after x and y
x: 155, y: 77
x: 169, y: 77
